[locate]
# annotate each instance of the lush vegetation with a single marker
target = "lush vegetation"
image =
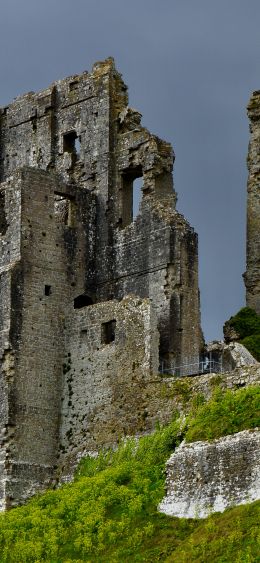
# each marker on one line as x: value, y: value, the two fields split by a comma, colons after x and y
x: 246, y: 323
x: 226, y: 413
x: 252, y: 343
x: 108, y: 514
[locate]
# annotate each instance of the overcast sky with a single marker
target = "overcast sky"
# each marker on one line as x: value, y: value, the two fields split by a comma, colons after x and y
x: 191, y: 66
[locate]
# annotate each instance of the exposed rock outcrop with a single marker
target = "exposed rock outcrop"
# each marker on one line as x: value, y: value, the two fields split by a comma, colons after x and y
x: 230, y: 355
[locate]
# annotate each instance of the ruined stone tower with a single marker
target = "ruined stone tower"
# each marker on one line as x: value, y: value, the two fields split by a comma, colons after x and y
x: 252, y: 275
x: 90, y: 296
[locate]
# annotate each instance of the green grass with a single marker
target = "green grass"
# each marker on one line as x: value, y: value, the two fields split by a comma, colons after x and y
x: 224, y: 538
x: 108, y: 514
x: 226, y: 413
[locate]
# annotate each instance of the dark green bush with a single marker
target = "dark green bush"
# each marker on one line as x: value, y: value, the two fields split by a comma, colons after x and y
x: 246, y: 322
x: 252, y: 343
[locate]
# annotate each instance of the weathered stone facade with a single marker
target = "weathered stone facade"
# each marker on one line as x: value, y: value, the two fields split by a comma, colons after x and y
x: 106, y: 385
x: 89, y: 296
x: 208, y: 477
x: 252, y: 275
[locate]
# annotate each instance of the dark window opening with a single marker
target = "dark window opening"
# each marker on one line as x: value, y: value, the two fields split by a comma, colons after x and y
x: 84, y: 335
x: 132, y: 181
x: 73, y: 85
x: 3, y: 222
x: 71, y: 143
x: 82, y: 301
x: 47, y: 290
x: 108, y: 332
x: 64, y: 209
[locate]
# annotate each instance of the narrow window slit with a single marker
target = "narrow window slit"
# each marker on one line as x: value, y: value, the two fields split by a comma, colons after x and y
x: 84, y: 335
x: 47, y: 290
x: 137, y: 195
x: 3, y: 222
x: 131, y: 195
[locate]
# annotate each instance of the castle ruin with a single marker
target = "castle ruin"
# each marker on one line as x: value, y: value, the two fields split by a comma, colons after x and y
x: 252, y: 278
x: 91, y: 297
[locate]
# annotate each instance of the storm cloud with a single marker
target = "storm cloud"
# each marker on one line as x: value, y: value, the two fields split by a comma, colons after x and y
x: 191, y: 67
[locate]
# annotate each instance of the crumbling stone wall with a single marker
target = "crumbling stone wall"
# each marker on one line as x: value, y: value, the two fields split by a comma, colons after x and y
x: 156, y: 256
x: 70, y: 254
x: 40, y: 292
x: 252, y: 278
x: 82, y: 129
x: 111, y: 361
x: 203, y: 477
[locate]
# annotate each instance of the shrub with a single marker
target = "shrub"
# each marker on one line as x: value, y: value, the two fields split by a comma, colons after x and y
x: 252, y: 343
x: 246, y: 322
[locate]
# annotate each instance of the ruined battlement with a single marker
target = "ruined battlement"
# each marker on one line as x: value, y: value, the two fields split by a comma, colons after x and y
x: 91, y: 296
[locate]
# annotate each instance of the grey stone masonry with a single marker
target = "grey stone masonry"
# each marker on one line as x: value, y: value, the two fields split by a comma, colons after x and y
x: 209, y: 477
x: 110, y: 367
x: 252, y: 275
x: 82, y: 281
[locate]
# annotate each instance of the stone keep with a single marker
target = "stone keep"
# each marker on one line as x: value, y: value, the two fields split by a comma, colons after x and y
x: 90, y: 297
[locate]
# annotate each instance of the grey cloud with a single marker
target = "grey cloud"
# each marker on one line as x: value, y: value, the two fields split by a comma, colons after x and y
x: 190, y: 67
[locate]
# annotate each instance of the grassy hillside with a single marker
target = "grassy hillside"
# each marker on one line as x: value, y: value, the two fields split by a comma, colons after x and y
x: 108, y: 514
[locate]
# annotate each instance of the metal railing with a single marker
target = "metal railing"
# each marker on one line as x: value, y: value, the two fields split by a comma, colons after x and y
x: 199, y: 367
